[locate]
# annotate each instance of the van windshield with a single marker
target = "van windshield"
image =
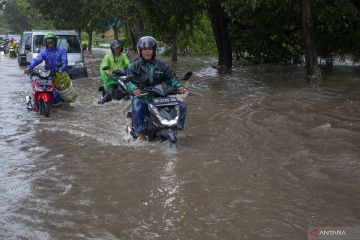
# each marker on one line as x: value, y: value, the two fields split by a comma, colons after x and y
x: 69, y: 42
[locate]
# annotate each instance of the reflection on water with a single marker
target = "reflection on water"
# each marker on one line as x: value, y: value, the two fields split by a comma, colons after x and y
x: 263, y: 156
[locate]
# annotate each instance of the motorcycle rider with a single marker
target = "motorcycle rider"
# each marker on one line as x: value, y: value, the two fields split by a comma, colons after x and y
x: 6, y: 43
x: 115, y: 60
x: 55, y: 59
x: 2, y: 44
x: 13, y: 44
x: 148, y: 71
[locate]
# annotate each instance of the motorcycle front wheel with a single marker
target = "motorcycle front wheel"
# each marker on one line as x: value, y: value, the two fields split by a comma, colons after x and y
x: 46, y: 109
x: 40, y: 107
x: 168, y: 134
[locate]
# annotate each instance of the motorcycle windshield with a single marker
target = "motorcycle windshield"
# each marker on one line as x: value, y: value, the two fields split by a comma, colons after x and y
x: 161, y: 90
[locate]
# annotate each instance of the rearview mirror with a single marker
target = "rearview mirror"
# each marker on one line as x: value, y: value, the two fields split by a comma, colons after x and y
x: 186, y: 76
x: 84, y: 47
x: 27, y: 47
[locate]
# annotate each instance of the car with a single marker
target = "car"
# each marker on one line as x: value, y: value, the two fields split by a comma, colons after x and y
x: 67, y: 39
x: 16, y: 38
x: 21, y: 50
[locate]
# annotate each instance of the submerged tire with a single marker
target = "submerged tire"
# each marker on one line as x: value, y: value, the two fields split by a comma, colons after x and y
x: 173, y: 139
x: 46, y: 111
x: 168, y: 134
x: 40, y: 107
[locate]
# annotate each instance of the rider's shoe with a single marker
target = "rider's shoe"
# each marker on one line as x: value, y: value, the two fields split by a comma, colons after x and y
x: 101, y: 101
x: 142, y: 137
x: 105, y: 99
x: 28, y: 103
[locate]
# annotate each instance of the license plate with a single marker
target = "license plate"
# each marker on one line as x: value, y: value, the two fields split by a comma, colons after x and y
x: 42, y: 82
x: 165, y: 101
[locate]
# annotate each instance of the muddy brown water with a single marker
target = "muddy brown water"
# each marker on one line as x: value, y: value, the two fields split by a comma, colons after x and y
x: 264, y: 156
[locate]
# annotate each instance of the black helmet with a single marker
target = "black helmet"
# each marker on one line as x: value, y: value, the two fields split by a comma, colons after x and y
x: 146, y: 42
x: 116, y: 44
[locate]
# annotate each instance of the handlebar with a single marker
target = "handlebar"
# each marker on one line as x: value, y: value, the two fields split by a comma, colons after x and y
x: 119, y: 72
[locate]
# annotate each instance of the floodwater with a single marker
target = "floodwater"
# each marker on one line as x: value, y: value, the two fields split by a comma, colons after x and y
x: 264, y: 155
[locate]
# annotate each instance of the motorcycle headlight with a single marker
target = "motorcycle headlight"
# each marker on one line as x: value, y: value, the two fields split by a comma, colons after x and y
x: 44, y: 74
x: 79, y: 65
x: 164, y: 121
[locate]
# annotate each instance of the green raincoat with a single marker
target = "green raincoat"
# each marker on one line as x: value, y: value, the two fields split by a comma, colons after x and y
x: 114, y: 63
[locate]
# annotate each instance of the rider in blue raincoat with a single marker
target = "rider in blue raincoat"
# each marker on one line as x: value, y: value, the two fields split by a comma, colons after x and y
x: 52, y: 55
x: 55, y: 59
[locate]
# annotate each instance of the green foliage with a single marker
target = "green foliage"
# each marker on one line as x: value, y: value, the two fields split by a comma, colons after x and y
x: 166, y: 19
x: 17, y: 16
x: 62, y: 81
x: 266, y: 31
x: 260, y: 31
x: 69, y: 14
x: 201, y: 42
x: 337, y: 29
x: 271, y: 31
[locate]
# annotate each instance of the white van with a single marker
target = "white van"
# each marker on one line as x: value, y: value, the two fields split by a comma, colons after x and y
x: 67, y: 39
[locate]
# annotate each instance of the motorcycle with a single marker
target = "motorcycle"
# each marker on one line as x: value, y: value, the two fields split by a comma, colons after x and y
x: 5, y: 49
x: 120, y: 90
x: 162, y: 120
x: 44, y: 88
x: 163, y: 117
x: 2, y: 46
x: 11, y: 51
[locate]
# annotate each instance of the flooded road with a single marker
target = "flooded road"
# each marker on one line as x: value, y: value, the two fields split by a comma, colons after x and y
x: 263, y: 156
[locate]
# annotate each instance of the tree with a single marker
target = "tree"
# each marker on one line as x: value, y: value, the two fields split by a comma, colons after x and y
x: 124, y: 14
x: 168, y: 20
x: 18, y: 17
x: 265, y: 31
x: 87, y: 15
x: 336, y: 24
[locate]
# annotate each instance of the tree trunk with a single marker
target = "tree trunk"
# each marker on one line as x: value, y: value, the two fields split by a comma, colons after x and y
x: 132, y: 37
x: 116, y: 33
x: 141, y: 27
x: 220, y: 26
x: 79, y: 34
x: 312, y: 68
x: 89, y: 32
x: 174, y: 46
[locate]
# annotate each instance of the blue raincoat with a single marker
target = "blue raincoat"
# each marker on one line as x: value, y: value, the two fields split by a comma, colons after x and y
x: 51, y: 56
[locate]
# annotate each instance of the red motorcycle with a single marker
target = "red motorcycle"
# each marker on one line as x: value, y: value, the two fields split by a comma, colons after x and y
x: 44, y: 87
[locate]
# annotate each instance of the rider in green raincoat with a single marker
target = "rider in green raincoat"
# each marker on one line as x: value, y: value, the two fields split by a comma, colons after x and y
x: 114, y: 60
